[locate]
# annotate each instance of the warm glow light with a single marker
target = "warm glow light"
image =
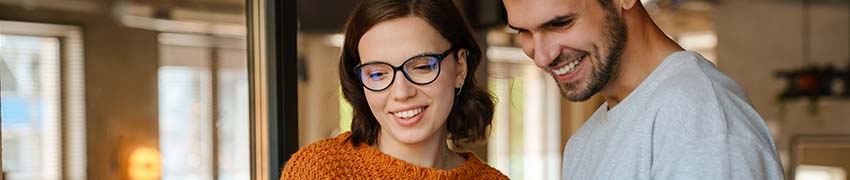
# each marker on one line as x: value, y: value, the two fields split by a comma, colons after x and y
x: 144, y: 164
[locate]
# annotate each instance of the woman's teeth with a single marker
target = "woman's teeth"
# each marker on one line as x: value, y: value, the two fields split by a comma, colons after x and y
x: 568, y: 68
x: 408, y: 113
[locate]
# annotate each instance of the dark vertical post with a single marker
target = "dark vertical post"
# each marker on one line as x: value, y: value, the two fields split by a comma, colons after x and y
x: 283, y: 120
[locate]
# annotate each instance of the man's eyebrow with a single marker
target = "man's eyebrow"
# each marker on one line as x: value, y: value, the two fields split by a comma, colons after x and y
x: 554, y: 20
x: 557, y: 20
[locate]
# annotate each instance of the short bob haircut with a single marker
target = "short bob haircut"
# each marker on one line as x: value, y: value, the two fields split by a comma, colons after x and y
x: 472, y: 111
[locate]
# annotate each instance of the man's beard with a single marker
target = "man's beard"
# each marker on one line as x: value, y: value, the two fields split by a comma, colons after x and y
x: 607, y: 67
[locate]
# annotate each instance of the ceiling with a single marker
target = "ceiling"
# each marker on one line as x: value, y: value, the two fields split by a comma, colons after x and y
x: 328, y: 16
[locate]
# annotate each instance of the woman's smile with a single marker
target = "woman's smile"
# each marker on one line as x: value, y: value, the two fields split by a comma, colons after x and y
x: 409, y: 116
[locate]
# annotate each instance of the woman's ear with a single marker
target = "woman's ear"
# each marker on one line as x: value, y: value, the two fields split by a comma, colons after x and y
x: 461, y: 67
x: 628, y: 4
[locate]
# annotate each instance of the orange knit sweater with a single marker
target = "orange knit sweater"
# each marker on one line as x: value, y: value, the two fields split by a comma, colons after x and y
x: 336, y: 158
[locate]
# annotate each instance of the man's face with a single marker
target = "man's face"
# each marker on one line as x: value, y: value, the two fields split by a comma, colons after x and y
x: 579, y: 42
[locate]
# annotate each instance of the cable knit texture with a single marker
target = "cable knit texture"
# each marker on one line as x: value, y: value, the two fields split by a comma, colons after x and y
x: 336, y: 158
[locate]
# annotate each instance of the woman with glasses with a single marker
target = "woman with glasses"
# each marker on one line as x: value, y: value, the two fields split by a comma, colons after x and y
x: 407, y: 68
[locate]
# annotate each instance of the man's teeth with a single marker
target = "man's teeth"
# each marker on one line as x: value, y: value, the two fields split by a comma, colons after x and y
x: 408, y: 113
x: 568, y: 68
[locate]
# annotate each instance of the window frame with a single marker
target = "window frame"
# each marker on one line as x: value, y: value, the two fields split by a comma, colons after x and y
x: 273, y: 92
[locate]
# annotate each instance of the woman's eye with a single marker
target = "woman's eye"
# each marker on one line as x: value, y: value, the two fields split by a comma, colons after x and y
x: 376, y: 75
x: 423, y: 68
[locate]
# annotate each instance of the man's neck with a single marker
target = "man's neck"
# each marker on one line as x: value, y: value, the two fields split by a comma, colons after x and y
x: 646, y: 47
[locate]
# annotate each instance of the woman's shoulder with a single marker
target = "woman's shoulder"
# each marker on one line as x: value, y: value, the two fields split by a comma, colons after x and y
x: 315, y: 156
x: 321, y: 148
x: 331, y: 144
x: 482, y: 170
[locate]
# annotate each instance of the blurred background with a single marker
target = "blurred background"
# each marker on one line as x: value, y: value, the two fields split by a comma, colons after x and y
x: 124, y: 89
x: 175, y: 89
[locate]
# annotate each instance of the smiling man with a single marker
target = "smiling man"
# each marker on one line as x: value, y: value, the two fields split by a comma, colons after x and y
x: 668, y: 113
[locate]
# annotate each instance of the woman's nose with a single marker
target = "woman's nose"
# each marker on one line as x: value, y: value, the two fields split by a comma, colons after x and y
x: 402, y: 89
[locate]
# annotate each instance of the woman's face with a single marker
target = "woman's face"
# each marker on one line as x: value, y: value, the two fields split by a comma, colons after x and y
x: 409, y: 113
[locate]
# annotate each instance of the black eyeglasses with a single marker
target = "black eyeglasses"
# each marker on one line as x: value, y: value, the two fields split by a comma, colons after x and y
x: 420, y: 70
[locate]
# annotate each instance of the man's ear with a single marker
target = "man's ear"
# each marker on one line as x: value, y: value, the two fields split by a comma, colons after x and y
x: 628, y: 4
x: 461, y: 67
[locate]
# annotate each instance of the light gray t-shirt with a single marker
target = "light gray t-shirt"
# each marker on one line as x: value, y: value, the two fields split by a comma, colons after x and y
x: 686, y: 120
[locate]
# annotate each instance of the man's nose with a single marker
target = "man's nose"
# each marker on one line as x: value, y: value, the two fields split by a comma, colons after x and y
x: 543, y: 51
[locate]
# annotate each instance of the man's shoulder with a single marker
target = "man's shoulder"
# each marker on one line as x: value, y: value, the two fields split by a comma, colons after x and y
x: 691, y: 79
x: 699, y: 102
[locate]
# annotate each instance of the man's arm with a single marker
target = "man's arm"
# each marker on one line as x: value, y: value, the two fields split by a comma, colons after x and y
x: 707, y: 141
x: 720, y: 157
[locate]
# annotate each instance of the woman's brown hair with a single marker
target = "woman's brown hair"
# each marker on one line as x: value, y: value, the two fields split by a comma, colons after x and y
x: 472, y: 111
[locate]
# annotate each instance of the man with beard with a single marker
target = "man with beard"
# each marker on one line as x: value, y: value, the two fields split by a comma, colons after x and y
x: 668, y: 113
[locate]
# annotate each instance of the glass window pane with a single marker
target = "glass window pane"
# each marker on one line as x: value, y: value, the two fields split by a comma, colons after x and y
x: 233, y: 131
x: 184, y: 129
x: 29, y: 66
x: 203, y: 92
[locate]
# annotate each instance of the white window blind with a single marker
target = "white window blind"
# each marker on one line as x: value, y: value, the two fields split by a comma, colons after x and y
x: 31, y: 131
x: 41, y: 72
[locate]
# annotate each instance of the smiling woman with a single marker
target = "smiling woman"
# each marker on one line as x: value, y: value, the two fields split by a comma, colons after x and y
x: 403, y: 68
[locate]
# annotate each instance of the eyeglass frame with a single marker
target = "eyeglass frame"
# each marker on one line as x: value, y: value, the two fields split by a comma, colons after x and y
x: 440, y: 57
